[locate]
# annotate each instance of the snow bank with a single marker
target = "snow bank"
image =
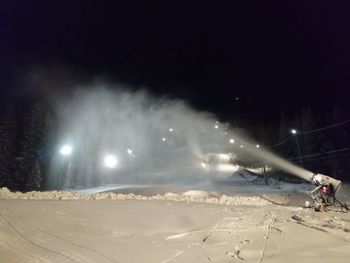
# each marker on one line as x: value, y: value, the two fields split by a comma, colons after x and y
x: 192, y: 196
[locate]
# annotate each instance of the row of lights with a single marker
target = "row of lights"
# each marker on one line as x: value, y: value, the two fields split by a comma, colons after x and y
x: 170, y: 130
x: 109, y: 161
x: 293, y: 131
x: 232, y: 141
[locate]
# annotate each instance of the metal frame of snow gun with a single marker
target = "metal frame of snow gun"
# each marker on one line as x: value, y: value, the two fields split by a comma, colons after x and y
x: 324, y: 193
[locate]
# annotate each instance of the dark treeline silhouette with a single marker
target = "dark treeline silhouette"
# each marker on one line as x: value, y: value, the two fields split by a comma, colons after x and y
x: 324, y: 151
x: 25, y: 146
x: 28, y: 136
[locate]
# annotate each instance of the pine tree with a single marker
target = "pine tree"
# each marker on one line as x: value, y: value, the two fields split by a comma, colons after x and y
x: 308, y: 141
x: 32, y: 139
x: 34, y: 178
x: 47, y: 148
x: 7, y: 146
x: 333, y: 139
x: 340, y: 134
x: 287, y: 148
x: 328, y: 163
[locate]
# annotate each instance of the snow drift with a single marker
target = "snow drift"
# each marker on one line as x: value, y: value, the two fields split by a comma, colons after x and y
x: 195, y: 196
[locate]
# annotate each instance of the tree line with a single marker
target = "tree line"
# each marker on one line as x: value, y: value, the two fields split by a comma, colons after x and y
x: 321, y: 150
x: 25, y: 147
x: 28, y: 139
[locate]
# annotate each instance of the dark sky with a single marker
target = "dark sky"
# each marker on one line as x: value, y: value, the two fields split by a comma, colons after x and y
x: 273, y: 56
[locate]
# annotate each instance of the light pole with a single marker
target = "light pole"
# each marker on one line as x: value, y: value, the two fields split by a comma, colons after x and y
x: 65, y: 151
x: 295, y: 133
x: 110, y: 162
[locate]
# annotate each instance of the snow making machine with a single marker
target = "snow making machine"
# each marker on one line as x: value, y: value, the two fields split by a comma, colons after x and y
x: 324, y: 193
x: 221, y: 166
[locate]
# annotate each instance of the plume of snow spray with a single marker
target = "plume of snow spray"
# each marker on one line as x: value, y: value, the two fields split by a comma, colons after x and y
x: 154, y: 140
x: 150, y: 140
x: 267, y: 157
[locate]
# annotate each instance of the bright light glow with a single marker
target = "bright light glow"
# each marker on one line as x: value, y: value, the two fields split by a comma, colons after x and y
x: 232, y: 141
x: 293, y: 131
x: 66, y: 150
x: 171, y: 130
x: 226, y: 133
x: 110, y: 161
x: 213, y: 158
x: 203, y: 165
x: 241, y: 146
x: 257, y: 146
x: 163, y: 139
x: 130, y: 152
x: 227, y: 168
x: 216, y: 126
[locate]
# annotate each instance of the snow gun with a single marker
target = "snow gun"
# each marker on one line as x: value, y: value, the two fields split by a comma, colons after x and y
x: 324, y: 193
x: 221, y: 166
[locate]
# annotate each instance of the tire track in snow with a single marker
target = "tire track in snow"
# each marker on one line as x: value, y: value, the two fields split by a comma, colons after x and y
x: 35, y: 243
x: 15, y: 248
x: 50, y: 242
x: 65, y: 240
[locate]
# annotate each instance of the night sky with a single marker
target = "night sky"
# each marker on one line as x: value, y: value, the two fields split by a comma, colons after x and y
x: 272, y: 56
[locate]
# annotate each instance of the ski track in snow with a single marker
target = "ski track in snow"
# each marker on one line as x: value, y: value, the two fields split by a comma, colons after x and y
x: 48, y: 247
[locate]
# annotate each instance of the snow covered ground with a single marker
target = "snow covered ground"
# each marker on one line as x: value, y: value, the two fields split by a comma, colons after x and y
x: 241, y: 220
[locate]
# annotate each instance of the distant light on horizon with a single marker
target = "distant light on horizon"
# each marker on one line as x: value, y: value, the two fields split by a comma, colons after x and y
x: 232, y: 141
x: 163, y: 139
x: 293, y: 131
x: 110, y: 161
x: 131, y: 153
x: 241, y: 146
x: 66, y: 150
x: 216, y: 126
x: 171, y: 130
x: 257, y: 146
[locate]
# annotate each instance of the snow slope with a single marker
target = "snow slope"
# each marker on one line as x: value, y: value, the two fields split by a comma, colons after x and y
x: 241, y: 220
x: 167, y: 231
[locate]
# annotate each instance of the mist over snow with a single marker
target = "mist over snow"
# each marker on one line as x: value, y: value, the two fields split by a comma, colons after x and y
x: 153, y: 140
x: 114, y: 134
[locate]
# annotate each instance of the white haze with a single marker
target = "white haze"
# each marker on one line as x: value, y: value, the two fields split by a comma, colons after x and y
x: 156, y: 141
x: 165, y: 137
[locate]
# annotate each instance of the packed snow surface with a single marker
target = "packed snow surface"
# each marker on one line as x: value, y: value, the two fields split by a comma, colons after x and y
x: 168, y: 231
x: 188, y: 196
x: 210, y: 223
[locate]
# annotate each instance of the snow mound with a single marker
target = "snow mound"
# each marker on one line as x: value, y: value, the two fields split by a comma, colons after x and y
x: 196, y: 194
x: 192, y: 196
